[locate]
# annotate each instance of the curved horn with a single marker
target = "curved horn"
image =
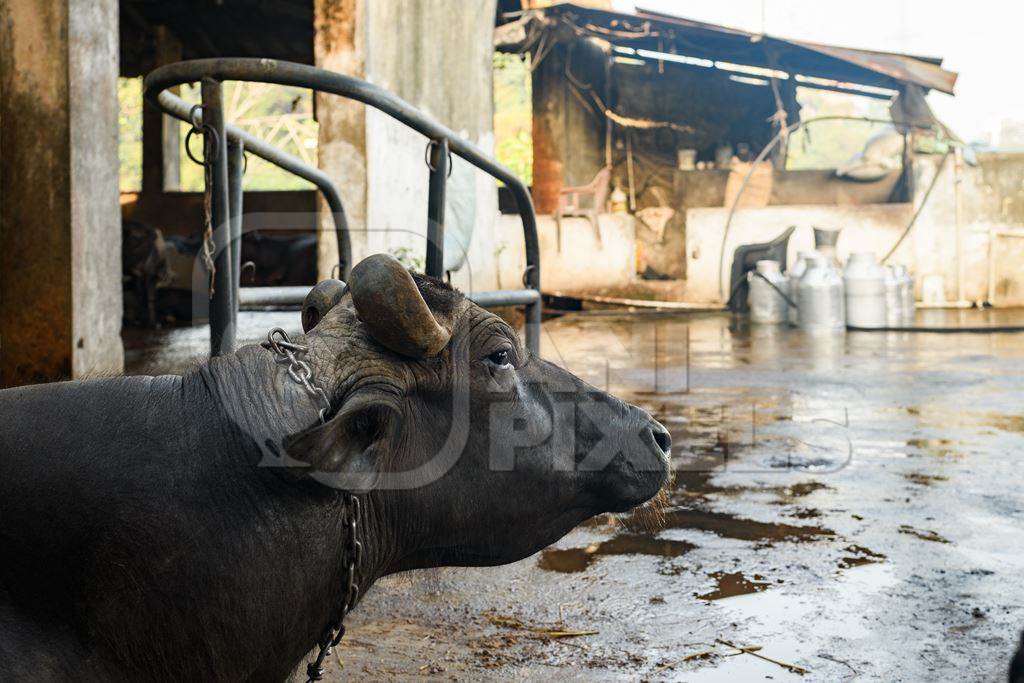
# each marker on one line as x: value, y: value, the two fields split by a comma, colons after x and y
x: 323, y: 297
x: 388, y: 301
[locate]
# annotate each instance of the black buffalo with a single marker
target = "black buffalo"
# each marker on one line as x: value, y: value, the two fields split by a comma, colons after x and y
x: 190, y: 528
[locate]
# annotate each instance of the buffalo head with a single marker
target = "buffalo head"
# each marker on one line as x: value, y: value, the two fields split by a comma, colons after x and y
x: 481, y: 452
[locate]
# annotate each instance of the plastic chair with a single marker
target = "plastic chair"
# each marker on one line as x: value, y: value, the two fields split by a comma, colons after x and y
x: 745, y: 258
x: 569, y: 203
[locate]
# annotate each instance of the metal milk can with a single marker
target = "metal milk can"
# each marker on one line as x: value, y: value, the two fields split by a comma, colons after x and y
x: 864, y: 281
x: 822, y: 308
x: 767, y: 304
x: 793, y: 276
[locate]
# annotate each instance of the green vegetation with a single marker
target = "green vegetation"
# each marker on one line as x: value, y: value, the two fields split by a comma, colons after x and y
x: 129, y: 133
x: 279, y: 115
x: 513, y: 114
x: 827, y: 144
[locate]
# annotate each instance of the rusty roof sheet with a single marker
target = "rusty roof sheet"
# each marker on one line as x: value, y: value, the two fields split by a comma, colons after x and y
x: 926, y: 72
x: 711, y: 41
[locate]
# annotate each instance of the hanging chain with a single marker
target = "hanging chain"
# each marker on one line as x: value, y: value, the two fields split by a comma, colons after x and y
x: 285, y: 351
x: 210, y: 150
x: 299, y: 370
x: 335, y: 631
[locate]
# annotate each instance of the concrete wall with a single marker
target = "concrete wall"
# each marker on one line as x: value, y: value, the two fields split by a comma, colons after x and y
x: 60, y: 238
x: 579, y: 262
x: 992, y: 200
x: 339, y: 44
x: 438, y: 57
x: 873, y: 228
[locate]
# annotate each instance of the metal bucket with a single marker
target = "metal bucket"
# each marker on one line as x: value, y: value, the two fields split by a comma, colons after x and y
x: 825, y: 240
x: 864, y: 282
x: 766, y: 303
x: 822, y: 308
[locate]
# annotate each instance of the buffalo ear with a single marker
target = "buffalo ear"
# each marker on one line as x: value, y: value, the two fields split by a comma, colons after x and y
x: 345, y: 453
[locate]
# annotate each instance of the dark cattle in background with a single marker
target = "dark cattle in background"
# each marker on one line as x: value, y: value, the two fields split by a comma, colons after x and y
x: 279, y: 260
x: 193, y: 528
x: 267, y: 261
x: 144, y: 268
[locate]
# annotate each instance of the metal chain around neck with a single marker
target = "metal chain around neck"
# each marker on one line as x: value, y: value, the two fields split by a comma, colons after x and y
x: 285, y: 351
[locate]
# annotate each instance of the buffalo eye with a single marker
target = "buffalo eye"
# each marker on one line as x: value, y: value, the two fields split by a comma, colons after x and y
x: 500, y: 358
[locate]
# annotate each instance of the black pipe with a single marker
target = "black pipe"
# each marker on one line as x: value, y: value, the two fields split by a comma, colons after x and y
x: 781, y: 293
x: 236, y: 167
x: 222, y: 331
x: 438, y: 161
x: 983, y: 329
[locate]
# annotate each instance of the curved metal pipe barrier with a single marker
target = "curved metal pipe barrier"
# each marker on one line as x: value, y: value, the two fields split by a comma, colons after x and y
x: 212, y: 72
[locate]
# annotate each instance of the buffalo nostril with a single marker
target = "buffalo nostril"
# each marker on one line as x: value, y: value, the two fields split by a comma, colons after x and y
x: 661, y: 437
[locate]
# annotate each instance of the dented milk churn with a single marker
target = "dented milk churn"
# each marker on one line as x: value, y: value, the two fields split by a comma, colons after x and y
x: 821, y: 297
x: 864, y: 281
x: 767, y: 286
x: 793, y: 276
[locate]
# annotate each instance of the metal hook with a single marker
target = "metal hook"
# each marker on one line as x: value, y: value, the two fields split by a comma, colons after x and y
x: 426, y: 157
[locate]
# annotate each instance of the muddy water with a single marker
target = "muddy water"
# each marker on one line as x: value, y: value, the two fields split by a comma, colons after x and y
x: 578, y: 559
x: 852, y: 506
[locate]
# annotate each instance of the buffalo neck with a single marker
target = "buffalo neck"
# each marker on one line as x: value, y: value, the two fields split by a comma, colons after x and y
x: 288, y: 527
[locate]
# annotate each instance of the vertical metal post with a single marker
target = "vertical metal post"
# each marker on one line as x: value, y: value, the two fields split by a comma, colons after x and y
x: 439, y: 161
x: 958, y: 218
x: 236, y: 166
x: 531, y: 276
x: 222, y: 331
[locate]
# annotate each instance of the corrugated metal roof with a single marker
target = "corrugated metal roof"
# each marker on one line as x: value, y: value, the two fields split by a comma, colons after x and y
x: 923, y: 72
x: 711, y: 41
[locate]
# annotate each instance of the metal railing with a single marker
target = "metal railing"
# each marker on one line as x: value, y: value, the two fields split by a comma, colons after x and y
x: 225, y: 179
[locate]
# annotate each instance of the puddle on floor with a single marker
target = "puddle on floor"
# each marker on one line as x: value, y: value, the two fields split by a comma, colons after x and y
x: 922, y: 479
x: 923, y: 534
x: 943, y: 448
x: 731, y: 526
x: 803, y: 513
x: 941, y: 417
x: 857, y: 556
x: 571, y: 560
x: 731, y: 584
x: 780, y: 620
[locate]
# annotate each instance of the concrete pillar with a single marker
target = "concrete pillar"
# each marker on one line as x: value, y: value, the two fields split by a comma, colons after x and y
x: 568, y: 139
x: 339, y: 44
x: 437, y: 56
x: 549, y: 130
x: 161, y: 157
x: 60, y: 225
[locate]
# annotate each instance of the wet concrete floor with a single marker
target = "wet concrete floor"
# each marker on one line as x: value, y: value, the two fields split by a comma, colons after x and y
x: 843, y: 508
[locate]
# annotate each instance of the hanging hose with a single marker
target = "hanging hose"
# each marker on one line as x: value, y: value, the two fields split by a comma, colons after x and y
x: 920, y: 207
x: 983, y: 329
x: 773, y: 285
